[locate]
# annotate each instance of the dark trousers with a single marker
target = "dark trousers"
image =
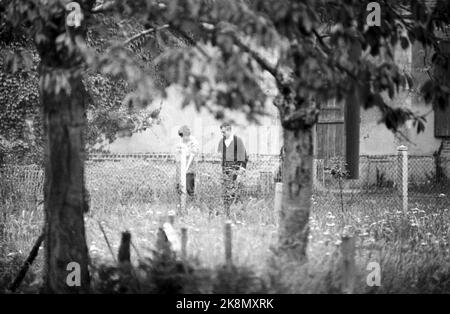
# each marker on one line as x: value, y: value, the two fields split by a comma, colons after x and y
x: 230, y: 186
x: 190, y: 183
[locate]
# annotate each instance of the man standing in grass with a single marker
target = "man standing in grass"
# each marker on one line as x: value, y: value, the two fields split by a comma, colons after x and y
x: 234, y: 160
x: 190, y: 144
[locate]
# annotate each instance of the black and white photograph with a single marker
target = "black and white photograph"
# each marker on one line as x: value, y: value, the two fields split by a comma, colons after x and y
x: 224, y: 152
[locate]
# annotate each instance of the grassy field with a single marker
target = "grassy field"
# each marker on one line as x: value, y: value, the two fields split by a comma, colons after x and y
x: 412, y: 248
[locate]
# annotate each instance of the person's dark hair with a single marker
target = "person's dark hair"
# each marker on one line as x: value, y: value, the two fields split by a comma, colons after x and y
x: 225, y: 125
x: 184, y: 130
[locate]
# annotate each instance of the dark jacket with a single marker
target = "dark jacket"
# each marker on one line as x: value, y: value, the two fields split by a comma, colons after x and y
x: 234, y: 153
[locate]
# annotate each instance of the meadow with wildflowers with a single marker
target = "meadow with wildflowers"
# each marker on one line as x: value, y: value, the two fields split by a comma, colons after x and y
x: 412, y: 248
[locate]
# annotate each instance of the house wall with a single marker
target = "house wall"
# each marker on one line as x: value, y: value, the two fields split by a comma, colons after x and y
x: 258, y: 139
x: 376, y: 139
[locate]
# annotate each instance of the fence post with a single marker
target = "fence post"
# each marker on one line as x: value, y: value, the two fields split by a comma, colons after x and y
x: 403, y: 175
x: 348, y: 264
x: 171, y: 216
x: 123, y: 255
x: 278, y: 197
x: 163, y: 246
x: 228, y: 244
x: 314, y: 172
x: 184, y: 243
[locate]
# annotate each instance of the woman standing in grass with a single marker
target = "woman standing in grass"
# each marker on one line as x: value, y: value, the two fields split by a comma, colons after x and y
x: 189, y: 143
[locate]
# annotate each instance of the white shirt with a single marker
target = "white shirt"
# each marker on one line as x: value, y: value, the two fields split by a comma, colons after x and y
x: 192, y: 149
x: 229, y: 140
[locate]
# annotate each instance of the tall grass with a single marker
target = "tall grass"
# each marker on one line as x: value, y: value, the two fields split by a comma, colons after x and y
x: 412, y: 248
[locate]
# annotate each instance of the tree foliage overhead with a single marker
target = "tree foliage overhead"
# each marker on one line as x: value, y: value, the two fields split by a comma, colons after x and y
x: 20, y: 131
x: 219, y: 50
x: 323, y: 50
x: 108, y: 115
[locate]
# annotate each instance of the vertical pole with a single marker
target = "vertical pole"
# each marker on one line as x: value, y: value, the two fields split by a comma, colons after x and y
x: 352, y: 119
x: 123, y: 255
x: 322, y: 169
x: 228, y: 244
x: 403, y: 176
x: 314, y: 172
x: 184, y: 243
x: 348, y: 264
x: 171, y: 216
x: 278, y: 197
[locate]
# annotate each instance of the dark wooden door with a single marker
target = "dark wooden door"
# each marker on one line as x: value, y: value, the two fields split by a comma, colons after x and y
x: 442, y: 121
x: 442, y: 115
x: 330, y: 132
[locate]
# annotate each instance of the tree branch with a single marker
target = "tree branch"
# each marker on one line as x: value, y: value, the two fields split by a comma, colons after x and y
x: 101, y: 8
x: 263, y: 63
x: 326, y: 49
x: 145, y: 32
x: 190, y: 40
x: 400, y: 17
x: 259, y: 59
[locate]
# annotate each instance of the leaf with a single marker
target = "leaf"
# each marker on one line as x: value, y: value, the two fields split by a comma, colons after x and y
x: 420, y: 127
x: 409, y: 79
x: 426, y: 91
x: 404, y: 42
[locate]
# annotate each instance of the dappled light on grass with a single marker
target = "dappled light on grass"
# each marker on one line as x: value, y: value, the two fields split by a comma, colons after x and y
x: 412, y: 248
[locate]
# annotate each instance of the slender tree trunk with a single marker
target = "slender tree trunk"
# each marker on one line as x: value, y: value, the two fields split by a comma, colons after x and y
x: 65, y: 242
x: 297, y: 191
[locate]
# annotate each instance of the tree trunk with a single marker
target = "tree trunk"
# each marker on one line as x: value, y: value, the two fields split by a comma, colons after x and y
x: 65, y: 242
x: 297, y: 191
